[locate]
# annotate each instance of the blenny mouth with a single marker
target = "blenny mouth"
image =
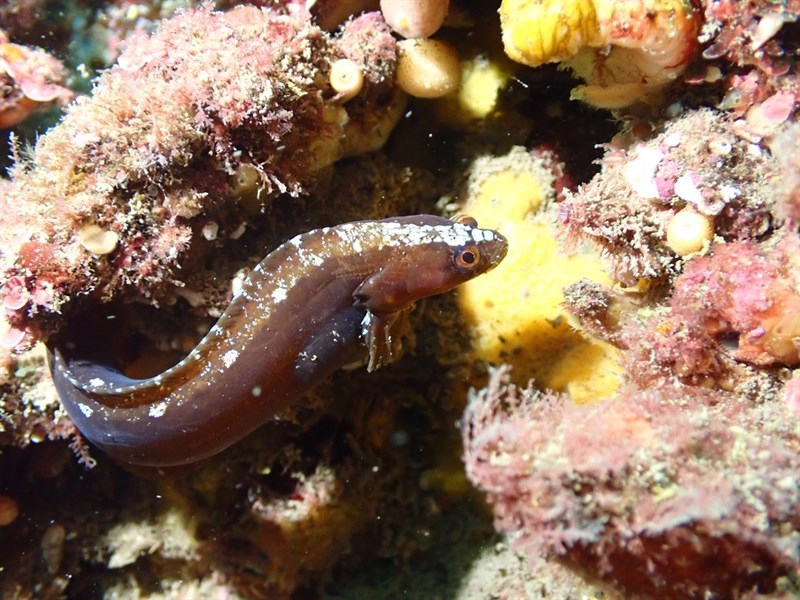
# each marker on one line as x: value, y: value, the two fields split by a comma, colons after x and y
x: 495, y: 250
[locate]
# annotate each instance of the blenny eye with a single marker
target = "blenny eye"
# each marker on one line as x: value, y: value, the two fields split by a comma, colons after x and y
x: 467, y: 258
x: 466, y: 220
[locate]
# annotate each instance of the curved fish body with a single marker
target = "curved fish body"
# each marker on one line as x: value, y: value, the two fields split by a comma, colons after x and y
x: 322, y: 300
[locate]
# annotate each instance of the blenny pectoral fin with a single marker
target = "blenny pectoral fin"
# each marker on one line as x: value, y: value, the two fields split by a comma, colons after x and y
x: 384, y: 335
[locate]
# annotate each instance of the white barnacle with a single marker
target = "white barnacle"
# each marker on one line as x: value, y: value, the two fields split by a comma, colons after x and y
x: 86, y: 410
x: 346, y: 78
x: 279, y: 295
x: 158, y: 410
x: 96, y: 382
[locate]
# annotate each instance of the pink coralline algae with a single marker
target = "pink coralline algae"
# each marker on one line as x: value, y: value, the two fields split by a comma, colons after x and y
x: 792, y: 394
x: 696, y: 161
x: 685, y: 484
x: 30, y: 79
x: 734, y: 310
x: 749, y: 292
x: 116, y: 200
x: 738, y: 306
x: 672, y: 492
x: 785, y: 147
x: 755, y: 44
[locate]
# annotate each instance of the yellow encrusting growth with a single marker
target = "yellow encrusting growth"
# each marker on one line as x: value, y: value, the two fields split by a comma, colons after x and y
x: 515, y: 311
x: 589, y: 371
x: 625, y: 51
x: 537, y: 32
x: 482, y: 80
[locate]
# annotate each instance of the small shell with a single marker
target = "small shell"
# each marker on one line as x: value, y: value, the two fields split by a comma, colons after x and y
x: 98, y: 240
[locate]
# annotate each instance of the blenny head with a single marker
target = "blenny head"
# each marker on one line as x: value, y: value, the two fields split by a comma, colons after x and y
x: 430, y: 255
x: 487, y: 249
x: 471, y: 250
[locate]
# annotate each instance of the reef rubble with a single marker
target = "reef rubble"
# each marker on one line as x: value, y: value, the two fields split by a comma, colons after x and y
x: 625, y: 387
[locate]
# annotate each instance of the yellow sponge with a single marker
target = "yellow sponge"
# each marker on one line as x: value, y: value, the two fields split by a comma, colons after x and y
x: 626, y: 52
x: 537, y: 32
x: 482, y: 80
x: 516, y: 310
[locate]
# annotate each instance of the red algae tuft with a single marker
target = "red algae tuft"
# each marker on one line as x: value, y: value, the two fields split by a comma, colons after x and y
x: 696, y: 161
x: 755, y: 44
x: 670, y: 492
x: 113, y: 198
x: 685, y: 483
x: 746, y: 291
